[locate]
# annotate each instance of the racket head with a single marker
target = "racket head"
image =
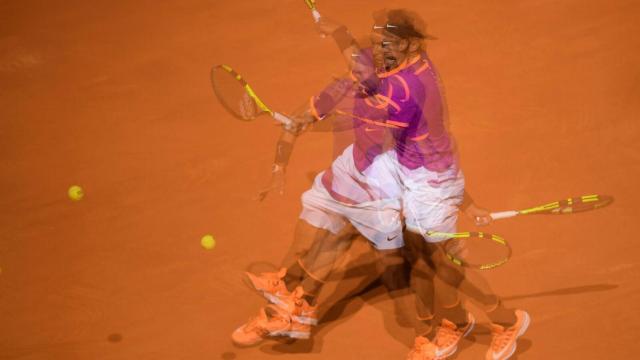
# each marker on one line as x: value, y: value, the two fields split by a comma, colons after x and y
x: 235, y: 94
x: 477, y: 250
x: 571, y: 205
x: 311, y: 4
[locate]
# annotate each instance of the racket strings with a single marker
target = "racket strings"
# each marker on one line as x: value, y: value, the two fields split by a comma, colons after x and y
x: 571, y: 205
x: 478, y: 250
x: 234, y: 93
x: 584, y: 203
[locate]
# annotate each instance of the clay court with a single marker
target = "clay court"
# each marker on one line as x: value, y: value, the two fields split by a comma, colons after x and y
x: 115, y: 97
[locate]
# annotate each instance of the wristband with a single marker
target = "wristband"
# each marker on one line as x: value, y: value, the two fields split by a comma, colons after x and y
x: 343, y: 38
x: 283, y: 152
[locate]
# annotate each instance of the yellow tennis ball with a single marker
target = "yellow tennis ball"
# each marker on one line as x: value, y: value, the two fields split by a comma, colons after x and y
x: 75, y: 193
x: 208, y: 242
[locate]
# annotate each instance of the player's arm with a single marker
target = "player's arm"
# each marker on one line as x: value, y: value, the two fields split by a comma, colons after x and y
x: 284, y: 149
x: 343, y: 38
x: 316, y: 110
x: 361, y: 67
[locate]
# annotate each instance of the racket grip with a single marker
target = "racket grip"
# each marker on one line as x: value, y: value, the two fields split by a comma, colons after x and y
x: 282, y: 119
x: 315, y: 14
x: 503, y: 214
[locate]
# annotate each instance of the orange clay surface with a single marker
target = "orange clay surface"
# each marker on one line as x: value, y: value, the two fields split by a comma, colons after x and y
x: 115, y: 97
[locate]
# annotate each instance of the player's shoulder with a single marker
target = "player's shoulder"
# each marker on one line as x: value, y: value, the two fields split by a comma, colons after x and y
x: 424, y: 66
x: 407, y: 84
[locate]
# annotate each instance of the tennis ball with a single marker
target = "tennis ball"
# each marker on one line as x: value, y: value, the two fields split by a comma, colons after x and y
x: 208, y: 242
x: 75, y: 193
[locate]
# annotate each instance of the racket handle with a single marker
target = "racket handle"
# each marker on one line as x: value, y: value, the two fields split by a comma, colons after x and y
x: 282, y: 119
x: 315, y: 14
x: 503, y: 214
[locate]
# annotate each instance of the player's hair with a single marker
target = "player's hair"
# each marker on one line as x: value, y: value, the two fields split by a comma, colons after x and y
x: 403, y: 23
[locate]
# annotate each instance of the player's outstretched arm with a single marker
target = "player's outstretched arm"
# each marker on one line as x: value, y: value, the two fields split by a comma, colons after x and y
x: 347, y: 44
x: 319, y: 108
x: 284, y: 149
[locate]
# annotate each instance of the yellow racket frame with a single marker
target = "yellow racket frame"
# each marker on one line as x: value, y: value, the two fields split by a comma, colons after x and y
x: 248, y: 89
x: 550, y: 207
x: 469, y: 234
x: 565, y: 206
x: 311, y: 4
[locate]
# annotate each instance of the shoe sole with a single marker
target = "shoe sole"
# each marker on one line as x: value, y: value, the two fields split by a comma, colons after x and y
x: 298, y: 334
x: 291, y: 334
x: 302, y: 335
x: 305, y: 320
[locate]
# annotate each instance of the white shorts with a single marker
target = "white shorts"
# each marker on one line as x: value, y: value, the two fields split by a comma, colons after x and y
x: 376, y: 201
x: 431, y: 199
x: 370, y: 201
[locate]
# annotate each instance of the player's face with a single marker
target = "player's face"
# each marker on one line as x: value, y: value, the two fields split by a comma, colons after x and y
x: 389, y: 51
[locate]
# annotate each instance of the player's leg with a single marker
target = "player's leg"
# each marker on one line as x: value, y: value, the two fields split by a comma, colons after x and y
x: 394, y: 272
x: 319, y: 261
x: 507, y: 324
x: 443, y: 319
x: 319, y: 220
x: 309, y: 242
x: 431, y: 202
x: 435, y: 209
x: 422, y: 273
x: 293, y: 292
x: 344, y: 200
x: 450, y: 282
x: 339, y: 196
x: 323, y: 225
x: 447, y: 280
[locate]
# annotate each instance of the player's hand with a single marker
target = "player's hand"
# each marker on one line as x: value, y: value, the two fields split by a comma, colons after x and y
x: 299, y: 123
x: 276, y: 183
x: 478, y: 215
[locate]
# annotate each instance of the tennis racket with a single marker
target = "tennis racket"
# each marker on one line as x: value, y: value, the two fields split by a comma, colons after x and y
x: 566, y: 206
x: 314, y: 12
x: 477, y: 250
x: 238, y: 97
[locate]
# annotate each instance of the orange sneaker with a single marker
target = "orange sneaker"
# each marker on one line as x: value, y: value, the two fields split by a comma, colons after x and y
x: 270, y: 285
x: 423, y: 349
x: 271, y: 321
x: 448, y: 335
x: 503, y: 343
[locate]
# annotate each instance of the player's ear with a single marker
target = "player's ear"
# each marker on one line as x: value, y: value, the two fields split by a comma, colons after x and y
x: 403, y: 44
x: 414, y: 46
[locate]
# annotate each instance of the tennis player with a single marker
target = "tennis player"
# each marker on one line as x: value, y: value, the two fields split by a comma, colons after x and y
x: 402, y: 165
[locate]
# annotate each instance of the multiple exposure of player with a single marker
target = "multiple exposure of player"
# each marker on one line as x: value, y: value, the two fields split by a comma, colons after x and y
x: 396, y: 178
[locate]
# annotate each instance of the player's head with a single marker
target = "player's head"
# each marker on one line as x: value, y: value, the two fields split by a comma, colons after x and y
x: 396, y: 35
